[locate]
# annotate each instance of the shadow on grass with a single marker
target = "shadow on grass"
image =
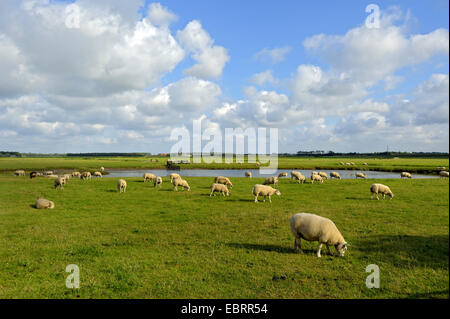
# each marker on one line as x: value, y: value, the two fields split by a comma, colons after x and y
x: 405, y: 251
x: 279, y: 249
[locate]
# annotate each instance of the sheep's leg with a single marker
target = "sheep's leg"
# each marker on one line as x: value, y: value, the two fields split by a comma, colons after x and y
x: 256, y: 198
x: 378, y: 197
x: 298, y: 244
x: 318, y: 249
x: 329, y: 251
x: 264, y: 198
x: 270, y: 200
x: 384, y: 195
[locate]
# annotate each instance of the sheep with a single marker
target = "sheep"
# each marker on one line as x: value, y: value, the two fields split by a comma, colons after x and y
x: 149, y: 176
x: 314, y: 173
x: 442, y: 168
x: 405, y: 174
x: 351, y: 163
x: 67, y: 177
x: 348, y: 164
x: 219, y: 188
x: 223, y: 180
x: 60, y: 182
x: 174, y: 176
x: 341, y: 163
x: 380, y: 189
x: 271, y: 180
x: 48, y: 172
x: 316, y: 177
x: 443, y: 174
x: 76, y: 174
x: 264, y: 190
x: 33, y: 175
x: 248, y: 174
x: 313, y: 227
x: 365, y: 164
x: 323, y: 175
x: 360, y: 175
x: 42, y: 203
x: 102, y: 169
x: 98, y: 174
x: 283, y: 174
x: 122, y: 185
x: 157, y: 181
x: 19, y: 172
x: 180, y: 182
x: 86, y: 175
x: 298, y: 176
x: 335, y: 175
x: 52, y: 176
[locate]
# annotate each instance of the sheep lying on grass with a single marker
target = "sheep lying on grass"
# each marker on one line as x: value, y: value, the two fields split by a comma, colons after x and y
x: 122, y: 185
x: 180, y: 182
x: 42, y: 203
x: 219, y: 188
x: 335, y: 175
x: 312, y: 227
x: 174, y: 176
x: 317, y: 178
x: 248, y: 174
x: 405, y: 174
x: 19, y: 172
x: 380, y: 189
x: 443, y: 174
x: 271, y: 180
x: 360, y: 175
x: 264, y: 190
x: 157, y: 181
x: 223, y: 180
x: 149, y: 177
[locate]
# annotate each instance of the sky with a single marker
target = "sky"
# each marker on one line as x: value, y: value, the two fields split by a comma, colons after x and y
x: 120, y: 76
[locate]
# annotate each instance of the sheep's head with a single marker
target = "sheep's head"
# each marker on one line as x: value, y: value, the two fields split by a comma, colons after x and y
x: 391, y: 195
x: 277, y: 192
x: 341, y: 248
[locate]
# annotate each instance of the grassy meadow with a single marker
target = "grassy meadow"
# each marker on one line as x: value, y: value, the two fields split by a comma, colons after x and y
x: 157, y: 243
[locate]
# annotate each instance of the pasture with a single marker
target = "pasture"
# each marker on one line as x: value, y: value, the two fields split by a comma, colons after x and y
x: 157, y: 243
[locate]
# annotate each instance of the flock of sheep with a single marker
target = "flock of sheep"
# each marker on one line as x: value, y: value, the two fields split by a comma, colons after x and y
x: 305, y: 226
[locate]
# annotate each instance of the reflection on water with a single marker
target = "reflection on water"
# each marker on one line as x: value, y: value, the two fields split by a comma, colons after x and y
x: 345, y: 174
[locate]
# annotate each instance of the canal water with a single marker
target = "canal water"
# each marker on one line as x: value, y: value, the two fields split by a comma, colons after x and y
x: 345, y: 174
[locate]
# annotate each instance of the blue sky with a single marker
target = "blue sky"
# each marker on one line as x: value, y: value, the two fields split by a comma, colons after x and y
x: 132, y: 71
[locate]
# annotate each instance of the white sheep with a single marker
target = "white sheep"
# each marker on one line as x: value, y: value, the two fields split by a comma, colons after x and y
x: 248, y: 174
x: 86, y: 175
x: 60, y: 182
x: 180, y: 182
x: 48, y: 172
x: 316, y: 177
x: 19, y: 172
x: 283, y: 174
x: 298, y: 176
x: 149, y: 177
x: 42, y: 203
x: 174, y: 176
x: 223, y: 189
x: 102, y: 169
x: 312, y: 227
x: 98, y: 174
x: 360, y: 175
x: 271, y: 180
x: 223, y: 180
x: 157, y: 181
x: 52, y: 176
x: 444, y: 174
x: 264, y: 190
x: 335, y: 175
x: 67, y: 177
x: 76, y: 174
x: 380, y: 189
x: 323, y: 175
x: 405, y: 174
x: 122, y: 185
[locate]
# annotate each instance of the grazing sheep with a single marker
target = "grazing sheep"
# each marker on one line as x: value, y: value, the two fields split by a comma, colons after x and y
x: 348, y: 164
x: 360, y: 175
x: 33, y: 175
x: 157, y: 181
x: 122, y: 185
x: 219, y: 188
x: 223, y: 180
x: 323, y: 175
x: 314, y: 173
x: 60, y: 182
x: 248, y: 174
x: 42, y: 203
x: 444, y: 174
x: 180, y: 182
x: 271, y: 180
x: 98, y: 174
x: 312, y: 227
x: 351, y: 163
x: 86, y: 175
x: 76, y: 174
x: 264, y: 190
x: 298, y: 176
x: 341, y: 163
x: 283, y: 174
x: 52, y: 176
x: 67, y: 176
x: 149, y: 177
x: 380, y: 189
x: 174, y: 176
x: 316, y: 177
x: 335, y: 175
x: 19, y: 172
x: 48, y: 172
x: 102, y: 169
x: 405, y: 174
x: 365, y: 164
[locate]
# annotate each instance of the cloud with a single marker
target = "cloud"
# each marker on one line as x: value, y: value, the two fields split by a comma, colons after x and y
x: 159, y: 15
x: 263, y: 78
x: 275, y: 55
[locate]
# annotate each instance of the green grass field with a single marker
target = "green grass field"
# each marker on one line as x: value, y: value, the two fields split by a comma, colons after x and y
x: 413, y: 165
x: 157, y: 243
